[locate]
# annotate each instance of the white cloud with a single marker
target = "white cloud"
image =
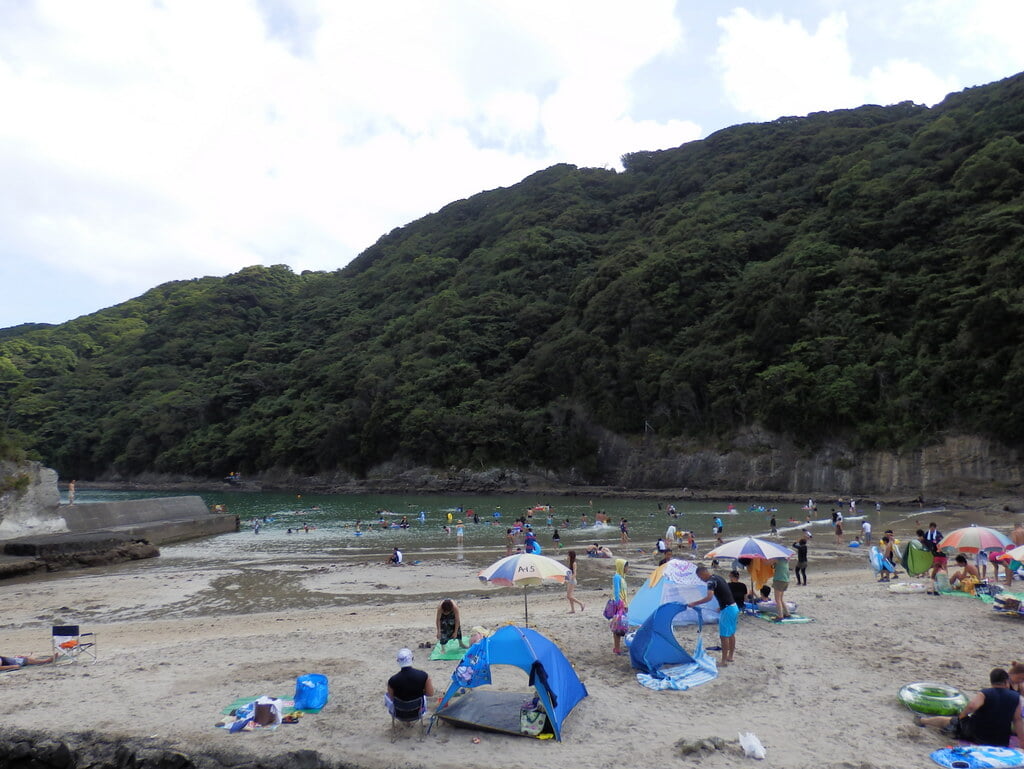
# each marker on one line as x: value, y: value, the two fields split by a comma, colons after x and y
x: 155, y: 141
x: 984, y: 35
x: 774, y: 66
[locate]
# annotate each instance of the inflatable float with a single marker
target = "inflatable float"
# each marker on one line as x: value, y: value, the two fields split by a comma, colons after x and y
x: 932, y: 699
x: 878, y: 561
x: 978, y: 757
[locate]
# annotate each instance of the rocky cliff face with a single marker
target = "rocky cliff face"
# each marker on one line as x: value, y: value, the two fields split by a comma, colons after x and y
x: 760, y: 461
x: 29, y: 499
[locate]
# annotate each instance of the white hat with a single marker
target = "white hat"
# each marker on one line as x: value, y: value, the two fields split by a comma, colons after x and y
x: 404, y: 657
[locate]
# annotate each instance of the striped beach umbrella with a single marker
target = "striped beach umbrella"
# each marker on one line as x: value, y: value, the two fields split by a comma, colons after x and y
x: 751, y: 547
x: 975, y: 539
x: 525, y: 569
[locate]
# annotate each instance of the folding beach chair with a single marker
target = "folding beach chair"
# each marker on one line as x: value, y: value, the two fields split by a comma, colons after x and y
x: 408, y: 712
x: 71, y: 644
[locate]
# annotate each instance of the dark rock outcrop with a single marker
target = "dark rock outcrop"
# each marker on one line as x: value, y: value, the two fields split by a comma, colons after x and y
x: 28, y: 749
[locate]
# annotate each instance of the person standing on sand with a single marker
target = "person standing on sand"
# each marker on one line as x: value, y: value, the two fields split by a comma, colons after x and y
x: 623, y: 531
x: 460, y: 532
x: 619, y: 594
x: 839, y: 531
x: 1017, y: 535
x: 801, y: 561
x: 780, y: 583
x: 729, y: 614
x: 570, y: 585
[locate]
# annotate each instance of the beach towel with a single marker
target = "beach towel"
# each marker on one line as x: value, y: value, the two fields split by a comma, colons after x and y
x: 451, y: 650
x: 983, y: 597
x: 287, y: 705
x: 682, y: 677
x: 761, y: 572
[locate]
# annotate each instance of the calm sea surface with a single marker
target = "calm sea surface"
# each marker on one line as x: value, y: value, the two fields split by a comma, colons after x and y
x: 331, y: 521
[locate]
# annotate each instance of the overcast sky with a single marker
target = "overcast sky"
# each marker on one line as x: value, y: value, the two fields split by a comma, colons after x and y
x: 142, y: 142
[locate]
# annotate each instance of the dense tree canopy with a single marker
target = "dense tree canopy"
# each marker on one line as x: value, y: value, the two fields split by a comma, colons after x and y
x: 856, y: 274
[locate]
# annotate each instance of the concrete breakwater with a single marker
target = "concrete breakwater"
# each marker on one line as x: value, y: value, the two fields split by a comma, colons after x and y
x: 102, y: 533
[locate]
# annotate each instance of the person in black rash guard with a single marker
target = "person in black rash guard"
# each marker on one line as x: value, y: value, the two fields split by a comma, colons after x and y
x: 408, y: 683
x: 987, y: 719
x: 739, y: 589
x: 719, y: 589
x: 801, y: 560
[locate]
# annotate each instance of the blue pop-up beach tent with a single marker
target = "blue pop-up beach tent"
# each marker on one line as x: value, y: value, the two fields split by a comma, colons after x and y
x: 555, y: 683
x: 661, y: 661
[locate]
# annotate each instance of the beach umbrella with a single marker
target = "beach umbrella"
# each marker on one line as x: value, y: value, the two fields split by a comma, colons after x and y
x: 1017, y: 554
x: 523, y: 570
x: 751, y: 547
x: 974, y: 539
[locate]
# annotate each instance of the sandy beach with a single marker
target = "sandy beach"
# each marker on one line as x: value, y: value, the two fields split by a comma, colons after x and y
x: 177, y: 645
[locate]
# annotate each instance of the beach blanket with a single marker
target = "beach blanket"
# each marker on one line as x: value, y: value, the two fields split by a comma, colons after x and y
x: 681, y: 677
x: 983, y: 597
x: 451, y: 650
x: 287, y: 705
x: 792, y: 619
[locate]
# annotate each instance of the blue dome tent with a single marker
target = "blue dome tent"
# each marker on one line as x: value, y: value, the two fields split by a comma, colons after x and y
x: 557, y: 687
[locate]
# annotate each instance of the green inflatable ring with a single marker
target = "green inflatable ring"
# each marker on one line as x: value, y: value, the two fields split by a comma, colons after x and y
x: 933, y: 699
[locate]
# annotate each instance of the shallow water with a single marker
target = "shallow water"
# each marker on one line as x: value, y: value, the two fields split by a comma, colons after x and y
x: 324, y: 525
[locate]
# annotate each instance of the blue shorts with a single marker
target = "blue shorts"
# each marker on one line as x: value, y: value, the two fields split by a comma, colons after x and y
x: 727, y: 621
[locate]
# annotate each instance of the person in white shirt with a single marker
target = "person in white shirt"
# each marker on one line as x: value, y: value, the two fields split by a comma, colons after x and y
x: 865, y: 530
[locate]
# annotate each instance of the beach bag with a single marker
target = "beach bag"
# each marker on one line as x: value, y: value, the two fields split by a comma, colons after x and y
x: 532, y: 718
x: 311, y: 692
x: 619, y: 624
x: 611, y: 608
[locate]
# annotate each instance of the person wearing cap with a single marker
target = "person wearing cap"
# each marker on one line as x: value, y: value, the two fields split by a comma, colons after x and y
x: 408, y: 684
x: 718, y: 588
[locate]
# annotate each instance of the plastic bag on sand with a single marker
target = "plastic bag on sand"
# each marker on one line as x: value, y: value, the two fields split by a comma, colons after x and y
x: 752, y: 746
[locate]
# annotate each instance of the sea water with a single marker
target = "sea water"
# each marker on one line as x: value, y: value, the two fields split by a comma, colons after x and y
x: 318, y: 524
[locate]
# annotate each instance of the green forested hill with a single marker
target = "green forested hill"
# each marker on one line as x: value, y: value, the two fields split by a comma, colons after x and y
x: 855, y: 275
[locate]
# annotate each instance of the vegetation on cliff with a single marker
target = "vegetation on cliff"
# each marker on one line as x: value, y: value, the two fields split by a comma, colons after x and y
x: 854, y: 274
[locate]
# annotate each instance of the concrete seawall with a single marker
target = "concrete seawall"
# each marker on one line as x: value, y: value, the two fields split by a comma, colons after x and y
x: 109, y: 532
x: 159, y: 520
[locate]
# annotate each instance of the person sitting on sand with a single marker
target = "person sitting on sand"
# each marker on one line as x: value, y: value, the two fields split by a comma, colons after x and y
x: 738, y: 588
x: 448, y: 623
x: 988, y: 718
x: 396, y: 558
x: 477, y: 634
x: 598, y: 551
x: 966, y: 577
x: 15, y: 663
